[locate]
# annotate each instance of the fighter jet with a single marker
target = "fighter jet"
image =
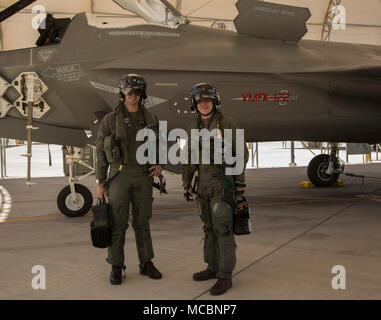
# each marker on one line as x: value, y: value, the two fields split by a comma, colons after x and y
x: 277, y: 86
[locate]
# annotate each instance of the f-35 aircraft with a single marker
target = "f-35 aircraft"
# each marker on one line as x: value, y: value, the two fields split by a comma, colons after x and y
x: 277, y: 86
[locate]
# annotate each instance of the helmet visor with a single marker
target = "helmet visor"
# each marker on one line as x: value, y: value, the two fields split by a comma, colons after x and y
x: 137, y: 92
x: 207, y: 93
x: 133, y: 84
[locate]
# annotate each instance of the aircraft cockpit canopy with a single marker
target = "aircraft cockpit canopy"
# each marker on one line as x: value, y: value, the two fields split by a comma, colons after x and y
x: 154, y: 11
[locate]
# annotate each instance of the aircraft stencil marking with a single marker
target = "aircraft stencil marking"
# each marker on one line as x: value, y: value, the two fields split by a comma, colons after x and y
x: 166, y: 84
x: 104, y: 87
x: 66, y: 73
x: 144, y: 34
x: 46, y: 54
x: 275, y: 11
x: 153, y: 101
x: 282, y: 97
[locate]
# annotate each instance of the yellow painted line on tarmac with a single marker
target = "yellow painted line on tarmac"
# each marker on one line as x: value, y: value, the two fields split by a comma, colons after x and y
x: 266, y: 204
x: 174, y: 209
x: 263, y: 204
x: 370, y: 197
x: 32, y: 219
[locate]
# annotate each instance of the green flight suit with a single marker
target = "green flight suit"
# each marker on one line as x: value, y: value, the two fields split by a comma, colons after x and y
x: 133, y: 185
x: 215, y: 211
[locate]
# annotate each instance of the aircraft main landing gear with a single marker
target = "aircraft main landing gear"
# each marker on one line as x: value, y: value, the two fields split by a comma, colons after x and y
x: 75, y: 200
x: 324, y: 170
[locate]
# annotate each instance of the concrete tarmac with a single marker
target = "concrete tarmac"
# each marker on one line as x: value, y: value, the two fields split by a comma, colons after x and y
x: 299, y: 236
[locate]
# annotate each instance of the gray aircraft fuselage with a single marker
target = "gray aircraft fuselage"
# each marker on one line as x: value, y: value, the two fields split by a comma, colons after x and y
x: 276, y: 90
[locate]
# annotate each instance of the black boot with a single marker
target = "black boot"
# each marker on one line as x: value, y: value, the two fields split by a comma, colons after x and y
x: 148, y: 269
x: 221, y: 286
x: 116, y: 275
x: 204, y: 275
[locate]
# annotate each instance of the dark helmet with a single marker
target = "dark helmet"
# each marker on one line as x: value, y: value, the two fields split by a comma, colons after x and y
x: 133, y: 82
x: 205, y: 90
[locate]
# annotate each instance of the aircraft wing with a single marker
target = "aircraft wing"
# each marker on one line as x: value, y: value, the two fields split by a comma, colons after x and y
x: 15, y: 128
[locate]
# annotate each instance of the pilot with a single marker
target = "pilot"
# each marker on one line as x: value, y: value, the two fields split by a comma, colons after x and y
x: 131, y: 183
x: 215, y: 191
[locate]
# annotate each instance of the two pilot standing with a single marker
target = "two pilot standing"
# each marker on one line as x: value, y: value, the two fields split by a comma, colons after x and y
x: 116, y: 145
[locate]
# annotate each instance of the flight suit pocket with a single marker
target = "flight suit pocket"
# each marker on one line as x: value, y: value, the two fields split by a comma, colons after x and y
x: 111, y: 149
x: 113, y: 155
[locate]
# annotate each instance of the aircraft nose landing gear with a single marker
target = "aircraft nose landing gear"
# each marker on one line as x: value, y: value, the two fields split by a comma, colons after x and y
x: 324, y: 170
x: 75, y: 200
x: 75, y: 206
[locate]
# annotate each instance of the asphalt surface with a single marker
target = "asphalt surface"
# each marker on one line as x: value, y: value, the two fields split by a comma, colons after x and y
x: 300, y: 234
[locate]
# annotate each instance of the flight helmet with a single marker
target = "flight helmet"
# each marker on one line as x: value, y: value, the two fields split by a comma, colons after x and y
x: 205, y: 90
x: 133, y: 82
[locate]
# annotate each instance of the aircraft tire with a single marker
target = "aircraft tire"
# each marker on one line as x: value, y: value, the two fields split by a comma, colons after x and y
x: 75, y: 209
x: 316, y: 174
